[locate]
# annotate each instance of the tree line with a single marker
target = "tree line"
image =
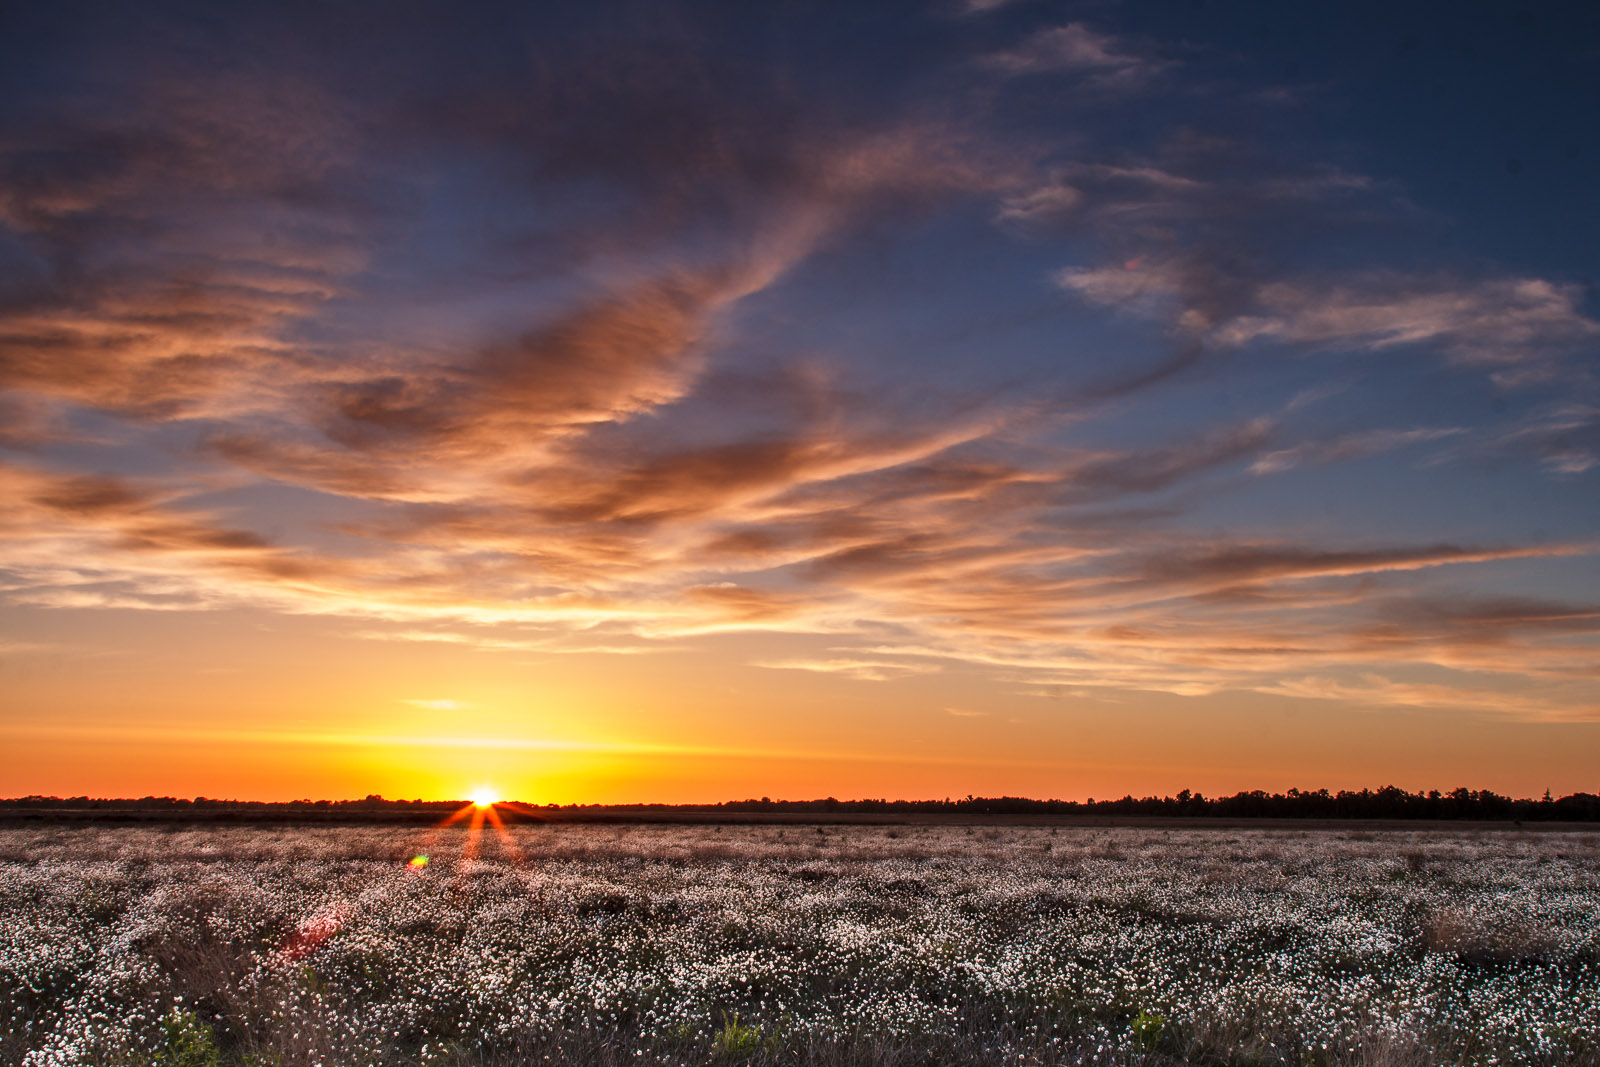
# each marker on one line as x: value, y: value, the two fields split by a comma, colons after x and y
x: 1390, y: 802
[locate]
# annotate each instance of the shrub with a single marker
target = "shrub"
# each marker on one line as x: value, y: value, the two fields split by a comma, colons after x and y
x: 188, y: 1042
x: 736, y: 1040
x: 1147, y: 1027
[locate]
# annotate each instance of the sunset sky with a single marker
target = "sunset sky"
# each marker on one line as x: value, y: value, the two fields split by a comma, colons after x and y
x: 648, y: 402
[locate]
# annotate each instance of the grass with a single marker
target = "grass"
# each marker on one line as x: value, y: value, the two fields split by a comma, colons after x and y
x: 240, y: 947
x: 737, y: 1041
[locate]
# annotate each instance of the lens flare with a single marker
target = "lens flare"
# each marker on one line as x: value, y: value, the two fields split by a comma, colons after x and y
x: 483, y: 808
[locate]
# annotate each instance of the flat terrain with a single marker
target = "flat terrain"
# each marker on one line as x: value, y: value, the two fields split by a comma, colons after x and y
x: 190, y: 946
x: 112, y: 814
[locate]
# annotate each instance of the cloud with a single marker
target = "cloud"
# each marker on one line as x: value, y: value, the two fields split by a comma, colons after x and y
x: 1349, y: 446
x: 1480, y: 622
x: 559, y: 359
x: 1207, y: 236
x: 1499, y: 321
x: 1526, y: 328
x: 1374, y: 690
x: 1564, y: 438
x: 437, y: 705
x: 1255, y: 562
x: 1103, y: 193
x: 480, y: 641
x: 151, y: 290
x: 1075, y: 49
x: 864, y: 670
x: 81, y: 540
x: 605, y: 361
x: 1147, y: 470
x: 16, y: 648
x: 1229, y: 246
x: 1046, y: 203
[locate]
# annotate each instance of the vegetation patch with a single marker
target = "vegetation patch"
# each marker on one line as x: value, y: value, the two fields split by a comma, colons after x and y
x: 685, y: 946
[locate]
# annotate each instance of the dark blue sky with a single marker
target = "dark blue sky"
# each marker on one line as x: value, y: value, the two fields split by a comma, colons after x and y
x: 1480, y: 110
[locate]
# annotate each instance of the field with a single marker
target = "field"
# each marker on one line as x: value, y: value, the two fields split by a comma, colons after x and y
x: 869, y: 945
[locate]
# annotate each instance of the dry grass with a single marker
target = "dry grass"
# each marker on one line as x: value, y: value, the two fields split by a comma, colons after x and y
x: 1480, y: 939
x: 864, y: 946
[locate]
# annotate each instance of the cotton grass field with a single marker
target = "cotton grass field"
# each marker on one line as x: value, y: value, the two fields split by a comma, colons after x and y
x: 871, y: 945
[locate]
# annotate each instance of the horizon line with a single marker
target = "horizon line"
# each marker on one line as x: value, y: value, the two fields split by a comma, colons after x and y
x: 1183, y: 796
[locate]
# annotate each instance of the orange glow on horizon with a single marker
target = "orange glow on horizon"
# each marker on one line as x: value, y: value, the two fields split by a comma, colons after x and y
x: 817, y: 737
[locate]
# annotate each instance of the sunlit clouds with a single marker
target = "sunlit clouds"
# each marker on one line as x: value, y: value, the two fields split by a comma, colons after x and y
x: 1026, y: 349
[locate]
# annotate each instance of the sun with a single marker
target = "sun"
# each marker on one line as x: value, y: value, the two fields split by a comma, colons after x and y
x: 483, y: 798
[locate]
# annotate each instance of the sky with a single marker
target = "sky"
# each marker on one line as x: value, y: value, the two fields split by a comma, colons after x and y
x: 619, y: 402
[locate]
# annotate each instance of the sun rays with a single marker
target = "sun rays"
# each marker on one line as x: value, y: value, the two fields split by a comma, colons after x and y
x: 483, y: 808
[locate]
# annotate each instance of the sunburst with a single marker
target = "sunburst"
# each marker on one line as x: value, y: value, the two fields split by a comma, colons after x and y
x: 484, y: 806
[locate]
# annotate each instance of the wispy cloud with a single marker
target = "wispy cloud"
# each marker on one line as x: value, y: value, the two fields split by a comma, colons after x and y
x: 1523, y: 326
x: 1075, y: 49
x: 1564, y: 438
x: 1374, y: 691
x: 438, y: 705
x: 1349, y: 446
x: 865, y: 670
x: 14, y: 648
